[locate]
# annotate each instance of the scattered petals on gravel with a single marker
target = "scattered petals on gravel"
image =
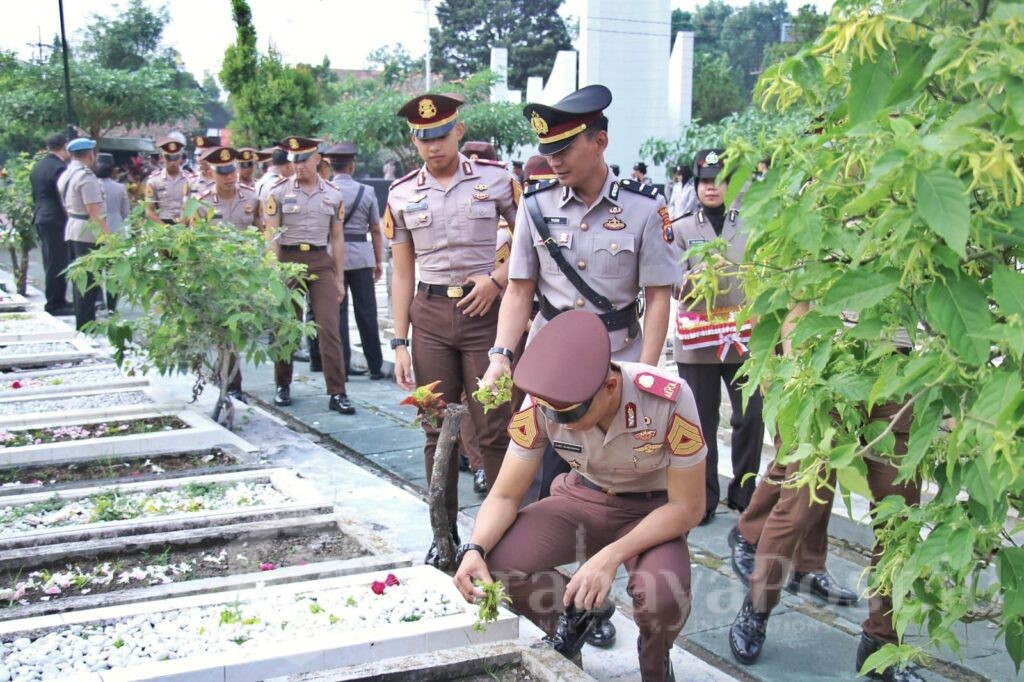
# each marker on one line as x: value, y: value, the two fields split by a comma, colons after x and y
x: 84, y: 377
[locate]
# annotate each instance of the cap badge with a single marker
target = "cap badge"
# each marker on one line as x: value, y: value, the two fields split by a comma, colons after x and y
x: 614, y: 224
x: 427, y: 108
x: 540, y: 126
x: 293, y: 143
x: 225, y: 155
x: 711, y: 159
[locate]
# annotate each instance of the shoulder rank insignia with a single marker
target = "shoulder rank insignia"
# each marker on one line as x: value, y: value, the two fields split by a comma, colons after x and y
x: 666, y: 225
x: 270, y: 206
x: 535, y: 187
x: 517, y: 192
x: 656, y: 385
x: 503, y: 253
x: 489, y: 162
x: 684, y: 437
x: 649, y: 191
x: 388, y: 222
x: 341, y: 210
x: 407, y: 176
x: 149, y: 191
x: 523, y: 429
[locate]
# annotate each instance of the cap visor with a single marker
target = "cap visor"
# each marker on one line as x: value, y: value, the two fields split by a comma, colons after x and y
x: 433, y: 133
x: 549, y: 148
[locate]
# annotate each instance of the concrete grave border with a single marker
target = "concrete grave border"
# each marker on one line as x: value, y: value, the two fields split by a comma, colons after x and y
x: 200, y: 433
x: 160, y: 403
x: 58, y: 330
x: 306, y: 501
x: 83, y: 350
x: 292, y: 656
x: 22, y: 393
x: 13, y: 303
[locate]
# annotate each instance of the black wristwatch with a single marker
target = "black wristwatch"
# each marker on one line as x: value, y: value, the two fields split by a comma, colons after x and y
x: 498, y: 350
x: 466, y: 547
x: 395, y: 343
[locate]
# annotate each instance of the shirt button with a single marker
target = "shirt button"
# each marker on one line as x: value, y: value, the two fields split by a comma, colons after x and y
x: 584, y: 226
x: 582, y: 265
x: 614, y: 246
x: 580, y: 303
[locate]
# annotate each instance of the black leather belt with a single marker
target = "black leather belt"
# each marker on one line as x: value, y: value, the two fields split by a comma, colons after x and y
x: 650, y: 495
x: 360, y: 237
x: 303, y: 247
x: 626, y: 318
x: 454, y: 291
x: 79, y: 216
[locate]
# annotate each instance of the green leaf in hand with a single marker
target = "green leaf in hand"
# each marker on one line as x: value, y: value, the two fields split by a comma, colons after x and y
x: 494, y: 598
x: 493, y: 398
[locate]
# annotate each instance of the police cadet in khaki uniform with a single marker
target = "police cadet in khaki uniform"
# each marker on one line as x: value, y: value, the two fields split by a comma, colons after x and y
x: 86, y: 205
x: 444, y: 217
x: 228, y: 202
x: 311, y: 212
x: 203, y: 180
x: 247, y: 158
x: 167, y: 189
x: 704, y: 369
x: 630, y: 434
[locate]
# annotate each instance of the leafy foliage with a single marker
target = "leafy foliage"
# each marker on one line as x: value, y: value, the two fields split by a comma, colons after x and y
x: 716, y: 91
x: 903, y: 204
x: 206, y: 291
x: 17, y: 233
x: 494, y: 598
x: 531, y: 30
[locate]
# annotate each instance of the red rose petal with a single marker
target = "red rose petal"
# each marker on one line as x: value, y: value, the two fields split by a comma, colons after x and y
x: 391, y: 580
x: 377, y: 587
x: 267, y: 566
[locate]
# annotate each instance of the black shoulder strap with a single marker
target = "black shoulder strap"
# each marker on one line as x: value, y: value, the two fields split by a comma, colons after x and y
x: 355, y: 205
x: 556, y: 253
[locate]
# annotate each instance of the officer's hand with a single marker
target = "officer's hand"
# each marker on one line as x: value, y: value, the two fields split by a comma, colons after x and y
x: 591, y: 584
x: 479, y: 301
x: 499, y: 365
x: 378, y: 270
x: 403, y: 369
x: 473, y: 567
x: 341, y: 289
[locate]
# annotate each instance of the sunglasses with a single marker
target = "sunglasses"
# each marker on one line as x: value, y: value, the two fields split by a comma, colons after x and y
x: 563, y: 415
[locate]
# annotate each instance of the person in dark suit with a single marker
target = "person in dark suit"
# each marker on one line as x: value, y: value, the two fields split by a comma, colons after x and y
x: 50, y: 220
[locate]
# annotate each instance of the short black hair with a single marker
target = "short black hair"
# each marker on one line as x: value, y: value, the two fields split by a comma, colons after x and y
x: 598, y: 124
x: 56, y: 142
x: 340, y: 164
x: 103, y: 170
x: 279, y: 157
x: 81, y: 154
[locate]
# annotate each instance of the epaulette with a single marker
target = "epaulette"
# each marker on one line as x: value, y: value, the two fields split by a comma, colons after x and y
x: 649, y: 191
x: 489, y: 162
x: 657, y: 385
x: 535, y: 187
x: 407, y: 176
x: 330, y: 184
x: 251, y: 188
x: 279, y: 182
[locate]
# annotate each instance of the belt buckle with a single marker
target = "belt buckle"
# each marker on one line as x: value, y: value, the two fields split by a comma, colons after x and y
x: 303, y: 247
x: 454, y: 292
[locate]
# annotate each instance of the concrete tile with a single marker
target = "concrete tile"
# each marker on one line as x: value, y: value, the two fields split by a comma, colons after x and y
x: 287, y: 660
x: 381, y: 440
x: 336, y: 657
x: 333, y: 423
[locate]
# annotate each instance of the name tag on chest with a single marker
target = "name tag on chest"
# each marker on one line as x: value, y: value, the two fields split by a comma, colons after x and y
x: 556, y: 220
x: 568, y: 447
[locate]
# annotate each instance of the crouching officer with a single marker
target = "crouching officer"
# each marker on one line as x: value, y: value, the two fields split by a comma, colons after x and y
x: 311, y: 212
x: 632, y: 437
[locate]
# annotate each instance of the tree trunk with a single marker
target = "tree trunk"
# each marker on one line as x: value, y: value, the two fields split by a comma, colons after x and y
x: 225, y: 411
x: 437, y: 490
x: 21, y: 273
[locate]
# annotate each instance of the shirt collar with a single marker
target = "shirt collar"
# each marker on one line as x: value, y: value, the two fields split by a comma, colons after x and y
x: 609, y: 191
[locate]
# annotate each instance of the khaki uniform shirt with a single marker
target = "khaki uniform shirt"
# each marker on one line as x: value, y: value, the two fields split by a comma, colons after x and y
x: 240, y: 211
x: 167, y: 194
x: 657, y: 428
x: 454, y: 229
x: 199, y: 185
x: 358, y: 254
x: 696, y: 229
x: 306, y: 216
x: 77, y: 187
x: 619, y: 245
x: 266, y: 181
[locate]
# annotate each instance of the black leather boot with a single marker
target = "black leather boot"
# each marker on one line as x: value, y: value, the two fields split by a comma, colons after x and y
x: 283, y: 397
x: 743, y: 554
x: 432, y: 558
x: 571, y: 632
x: 341, y: 403
x: 602, y: 635
x: 747, y: 634
x: 821, y: 585
x: 893, y: 673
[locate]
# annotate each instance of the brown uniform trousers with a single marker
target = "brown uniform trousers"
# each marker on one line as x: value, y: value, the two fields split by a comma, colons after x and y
x: 794, y: 515
x: 574, y: 523
x: 323, y: 296
x: 450, y: 347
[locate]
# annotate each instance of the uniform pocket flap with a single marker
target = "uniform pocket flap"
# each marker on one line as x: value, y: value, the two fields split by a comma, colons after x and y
x: 482, y: 209
x: 417, y: 219
x: 615, y: 245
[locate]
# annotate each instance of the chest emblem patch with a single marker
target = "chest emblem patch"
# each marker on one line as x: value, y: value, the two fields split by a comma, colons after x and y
x: 481, y: 196
x: 480, y: 188
x: 649, y: 448
x: 630, y: 415
x: 614, y: 224
x: 615, y: 210
x: 645, y: 435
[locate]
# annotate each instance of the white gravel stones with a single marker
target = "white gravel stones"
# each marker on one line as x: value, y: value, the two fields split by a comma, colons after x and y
x: 25, y: 323
x: 40, y: 348
x: 80, y: 402
x: 103, y: 374
x: 256, y: 624
x: 115, y: 505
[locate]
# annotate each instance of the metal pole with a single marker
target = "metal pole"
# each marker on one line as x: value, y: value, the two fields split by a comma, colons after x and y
x: 67, y: 73
x: 426, y: 11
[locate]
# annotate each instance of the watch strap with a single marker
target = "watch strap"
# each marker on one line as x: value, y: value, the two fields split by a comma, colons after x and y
x: 467, y: 547
x: 498, y: 350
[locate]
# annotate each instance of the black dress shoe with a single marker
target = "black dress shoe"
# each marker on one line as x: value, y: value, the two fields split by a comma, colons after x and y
x: 316, y: 365
x: 355, y: 372
x: 868, y: 646
x: 709, y: 515
x: 65, y: 310
x: 602, y: 634
x: 238, y: 395
x: 821, y: 585
x: 480, y: 481
x: 670, y: 674
x: 747, y: 633
x: 432, y: 559
x: 283, y: 397
x: 571, y: 632
x: 743, y: 554
x: 376, y: 376
x: 341, y: 403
